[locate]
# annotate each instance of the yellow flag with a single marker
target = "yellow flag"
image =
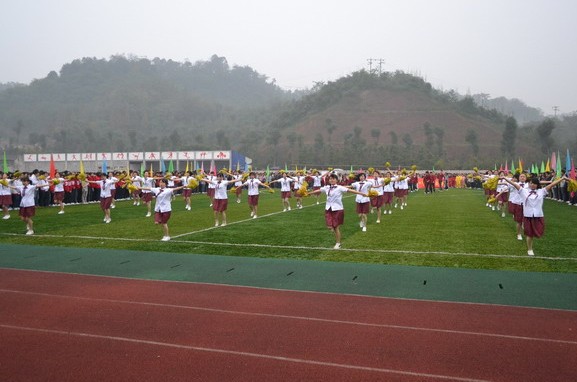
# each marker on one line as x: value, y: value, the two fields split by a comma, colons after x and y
x: 81, y: 167
x: 548, y: 167
x: 186, y: 170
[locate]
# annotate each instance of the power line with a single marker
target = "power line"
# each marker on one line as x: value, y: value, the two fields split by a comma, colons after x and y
x: 378, y: 61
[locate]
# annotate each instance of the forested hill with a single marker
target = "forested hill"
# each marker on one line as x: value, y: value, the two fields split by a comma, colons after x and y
x: 136, y: 103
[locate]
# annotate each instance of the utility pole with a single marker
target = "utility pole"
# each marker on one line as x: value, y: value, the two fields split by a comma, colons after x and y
x: 378, y: 61
x: 555, y: 110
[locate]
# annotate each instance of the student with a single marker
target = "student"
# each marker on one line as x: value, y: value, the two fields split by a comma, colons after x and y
x: 220, y: 201
x: 163, y: 205
x: 378, y: 201
x: 362, y: 186
x: 502, y: 194
x: 515, y: 204
x: 388, y: 193
x: 138, y: 182
x: 186, y: 191
x: 401, y: 188
x: 27, y: 206
x: 210, y: 191
x: 533, y: 218
x: 285, y: 190
x: 334, y: 210
x: 299, y: 180
x: 253, y: 184
x: 148, y: 182
x: 237, y: 178
x: 58, y: 197
x: 5, y: 196
x: 105, y: 194
x: 317, y: 182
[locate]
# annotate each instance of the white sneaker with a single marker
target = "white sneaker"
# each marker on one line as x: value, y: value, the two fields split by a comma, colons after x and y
x: 289, y: 208
x: 108, y: 221
x: 113, y: 206
x: 138, y: 203
x: 317, y: 202
x: 395, y: 205
x: 238, y: 201
x: 531, y: 253
x: 254, y: 216
x: 519, y: 237
x: 364, y: 229
x: 60, y: 212
x: 251, y: 213
x: 29, y: 232
x: 210, y: 205
x: 300, y: 207
x: 361, y: 224
x: 104, y: 220
x: 390, y: 212
x: 378, y: 221
x: 401, y: 206
x: 503, y: 215
x: 337, y: 246
x: 165, y: 238
x: 486, y: 204
x: 6, y: 217
x: 493, y: 208
x: 216, y: 224
x: 148, y: 215
x: 284, y: 210
x: 223, y: 224
x: 134, y: 203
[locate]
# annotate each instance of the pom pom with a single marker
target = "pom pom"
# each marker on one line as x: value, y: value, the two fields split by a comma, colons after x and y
x: 475, y: 169
x: 491, y: 183
x: 302, y: 191
x: 245, y: 176
x: 199, y: 177
x: 351, y: 175
x: 492, y: 200
x: 16, y: 174
x: 42, y: 177
x: 371, y: 170
x: 192, y: 183
x: 168, y: 175
x: 223, y: 171
x: 373, y: 193
x: 271, y: 190
x: 404, y: 172
x: 386, y: 181
x: 55, y: 181
x: 414, y: 167
x: 402, y: 177
x: 388, y: 165
x: 572, y: 185
x: 4, y: 182
x: 131, y: 187
x: 82, y: 177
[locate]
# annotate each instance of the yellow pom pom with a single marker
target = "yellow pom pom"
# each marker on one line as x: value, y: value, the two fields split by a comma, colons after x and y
x: 271, y: 190
x: 82, y: 177
x: 351, y: 175
x: 414, y: 167
x: 55, y: 181
x: 16, y: 174
x: 404, y: 172
x: 402, y: 177
x: 223, y: 171
x: 245, y: 176
x: 232, y: 189
x: 4, y: 182
x: 42, y: 177
x: 199, y: 177
x: 492, y: 200
x: 388, y: 165
x: 302, y: 191
x: 370, y: 170
x: 131, y: 188
x: 475, y: 169
x: 373, y: 193
x: 572, y: 185
x: 386, y: 181
x: 491, y: 183
x: 192, y: 183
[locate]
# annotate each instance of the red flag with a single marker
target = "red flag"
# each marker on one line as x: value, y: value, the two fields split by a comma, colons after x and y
x: 52, y: 167
x: 572, y: 174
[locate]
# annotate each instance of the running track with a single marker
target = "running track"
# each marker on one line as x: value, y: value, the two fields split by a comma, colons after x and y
x: 68, y: 327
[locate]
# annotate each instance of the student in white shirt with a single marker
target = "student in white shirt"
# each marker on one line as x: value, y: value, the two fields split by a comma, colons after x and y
x: 317, y: 182
x: 148, y: 181
x: 27, y: 205
x: 237, y: 178
x: 163, y: 205
x: 379, y: 200
x: 105, y: 194
x: 253, y: 184
x: 137, y: 181
x: 220, y: 201
x: 502, y: 194
x: 285, y: 190
x: 58, y: 198
x: 515, y: 203
x: 363, y: 203
x: 5, y: 196
x: 334, y: 210
x: 533, y: 218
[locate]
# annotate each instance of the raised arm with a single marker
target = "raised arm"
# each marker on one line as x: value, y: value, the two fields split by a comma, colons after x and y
x: 556, y: 182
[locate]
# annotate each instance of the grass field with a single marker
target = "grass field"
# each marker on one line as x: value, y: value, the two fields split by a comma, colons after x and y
x: 449, y: 229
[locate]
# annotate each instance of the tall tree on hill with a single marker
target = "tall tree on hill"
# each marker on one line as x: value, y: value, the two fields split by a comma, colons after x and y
x: 472, y: 139
x: 509, y: 137
x: 330, y: 126
x: 375, y: 134
x: 544, y: 131
x: 439, y: 136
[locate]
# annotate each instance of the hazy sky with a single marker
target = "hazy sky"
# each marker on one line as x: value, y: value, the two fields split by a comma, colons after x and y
x: 522, y: 49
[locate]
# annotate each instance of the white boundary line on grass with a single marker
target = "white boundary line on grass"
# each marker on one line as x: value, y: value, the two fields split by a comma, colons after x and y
x: 296, y: 247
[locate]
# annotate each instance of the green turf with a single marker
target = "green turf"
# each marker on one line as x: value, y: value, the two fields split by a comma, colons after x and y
x: 446, y: 229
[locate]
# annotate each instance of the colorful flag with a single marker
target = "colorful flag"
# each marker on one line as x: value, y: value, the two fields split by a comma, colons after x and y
x: 186, y: 169
x: 212, y: 167
x: 513, y: 170
x: 506, y: 167
x: 151, y: 170
x: 104, y: 167
x: 351, y: 169
x: 162, y: 166
x: 142, y: 169
x: 81, y: 167
x: 547, y: 166
x: 5, y: 165
x: 567, y: 162
x: 572, y: 174
x: 170, y: 167
x: 285, y: 168
x: 520, y: 165
x: 267, y: 172
x: 558, y: 167
x: 52, y: 167
x: 237, y: 166
x: 542, y: 167
x: 553, y: 161
x: 202, y: 167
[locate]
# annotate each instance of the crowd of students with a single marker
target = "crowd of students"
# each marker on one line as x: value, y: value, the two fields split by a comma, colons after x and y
x: 376, y: 192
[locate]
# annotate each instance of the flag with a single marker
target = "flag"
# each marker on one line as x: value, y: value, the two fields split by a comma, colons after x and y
x: 142, y: 169
x: 52, y: 167
x: 186, y: 169
x: 553, y: 161
x: 267, y: 172
x: 104, y: 167
x: 520, y: 165
x: 434, y: 168
x: 572, y: 174
x: 212, y: 167
x: 5, y: 165
x: 81, y: 167
x: 351, y: 169
x: 513, y: 170
x: 558, y: 167
x: 547, y: 166
x: 494, y: 169
x: 542, y: 167
x: 237, y: 166
x: 151, y: 170
x: 501, y: 167
x: 567, y: 162
x: 285, y: 168
x: 506, y: 167
x: 202, y: 167
x: 534, y: 169
x: 162, y: 166
x: 171, y: 167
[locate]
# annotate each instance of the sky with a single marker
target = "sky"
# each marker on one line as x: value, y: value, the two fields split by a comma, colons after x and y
x: 523, y: 49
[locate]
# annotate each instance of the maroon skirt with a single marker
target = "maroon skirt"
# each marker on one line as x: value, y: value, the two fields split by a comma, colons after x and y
x: 59, y: 196
x: 285, y: 195
x: 333, y: 219
x: 363, y: 208
x: 534, y: 227
x: 105, y: 203
x: 219, y: 205
x: 27, y: 212
x: 5, y: 200
x: 253, y: 200
x: 186, y: 192
x: 388, y: 197
x: 378, y: 201
x: 162, y: 217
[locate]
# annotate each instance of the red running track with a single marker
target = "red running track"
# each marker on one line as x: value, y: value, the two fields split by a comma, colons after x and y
x: 64, y: 327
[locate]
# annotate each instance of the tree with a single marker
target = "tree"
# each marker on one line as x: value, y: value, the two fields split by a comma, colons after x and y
x: 407, y: 140
x: 375, y: 134
x: 330, y: 126
x: 509, y: 136
x: 544, y: 131
x: 472, y: 139
x: 394, y: 138
x: 439, y: 135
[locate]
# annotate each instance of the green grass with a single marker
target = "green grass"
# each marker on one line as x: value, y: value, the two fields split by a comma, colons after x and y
x: 449, y: 229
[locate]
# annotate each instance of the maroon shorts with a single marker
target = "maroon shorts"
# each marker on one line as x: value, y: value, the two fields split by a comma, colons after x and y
x: 398, y: 193
x: 146, y: 197
x: 378, y: 201
x: 27, y: 212
x: 503, y: 198
x: 59, y: 196
x: 162, y: 217
x: 136, y: 193
x: 285, y: 195
x: 511, y: 208
x: 388, y: 197
x: 253, y: 200
x: 5, y: 200
x: 334, y: 219
x: 363, y: 208
x: 210, y: 192
x: 105, y: 203
x: 517, y: 212
x: 219, y: 205
x: 534, y: 227
x: 186, y: 192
